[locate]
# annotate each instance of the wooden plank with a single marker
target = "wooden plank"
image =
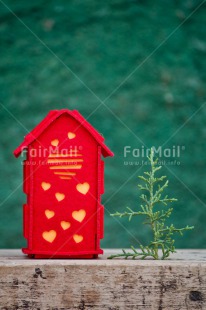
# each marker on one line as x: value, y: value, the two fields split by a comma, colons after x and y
x: 178, y: 283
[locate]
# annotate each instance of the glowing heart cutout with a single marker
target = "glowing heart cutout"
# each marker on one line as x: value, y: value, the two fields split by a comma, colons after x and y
x: 65, y: 225
x: 49, y: 236
x: 71, y: 135
x: 45, y: 186
x: 55, y: 142
x: 59, y: 196
x: 83, y: 188
x: 78, y: 238
x: 79, y: 215
x: 49, y: 214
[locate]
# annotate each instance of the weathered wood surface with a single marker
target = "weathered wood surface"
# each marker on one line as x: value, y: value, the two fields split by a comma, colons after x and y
x: 178, y: 283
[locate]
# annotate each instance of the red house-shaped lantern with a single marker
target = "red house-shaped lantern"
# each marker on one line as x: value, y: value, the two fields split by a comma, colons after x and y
x: 63, y: 181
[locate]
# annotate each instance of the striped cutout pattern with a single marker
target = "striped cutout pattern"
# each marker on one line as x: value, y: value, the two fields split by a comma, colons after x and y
x: 65, y: 166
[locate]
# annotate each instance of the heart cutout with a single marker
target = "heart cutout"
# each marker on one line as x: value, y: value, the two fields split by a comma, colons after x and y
x: 55, y: 142
x: 49, y: 235
x: 59, y: 196
x: 45, y: 186
x: 65, y: 225
x: 78, y: 238
x: 83, y: 188
x: 49, y: 214
x: 71, y: 135
x: 79, y: 215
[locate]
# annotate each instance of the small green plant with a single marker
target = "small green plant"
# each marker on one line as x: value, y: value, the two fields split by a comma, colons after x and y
x: 163, y: 243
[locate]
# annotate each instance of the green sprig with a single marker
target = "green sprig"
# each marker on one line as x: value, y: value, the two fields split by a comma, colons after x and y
x: 162, y: 244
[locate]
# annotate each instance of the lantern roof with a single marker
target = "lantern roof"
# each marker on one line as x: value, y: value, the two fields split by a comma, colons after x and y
x: 50, y: 118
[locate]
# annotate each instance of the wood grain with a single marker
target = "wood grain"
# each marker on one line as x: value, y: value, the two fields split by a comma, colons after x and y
x: 178, y: 283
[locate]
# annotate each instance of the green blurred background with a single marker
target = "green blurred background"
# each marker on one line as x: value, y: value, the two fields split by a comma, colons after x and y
x: 74, y: 54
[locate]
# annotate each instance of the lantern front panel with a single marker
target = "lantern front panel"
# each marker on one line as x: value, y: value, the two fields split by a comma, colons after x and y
x: 63, y: 198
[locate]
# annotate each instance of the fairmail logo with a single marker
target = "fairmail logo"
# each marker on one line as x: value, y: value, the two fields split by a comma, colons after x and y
x: 173, y: 152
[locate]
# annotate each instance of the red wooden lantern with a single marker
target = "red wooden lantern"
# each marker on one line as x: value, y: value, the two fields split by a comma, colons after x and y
x: 63, y: 181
